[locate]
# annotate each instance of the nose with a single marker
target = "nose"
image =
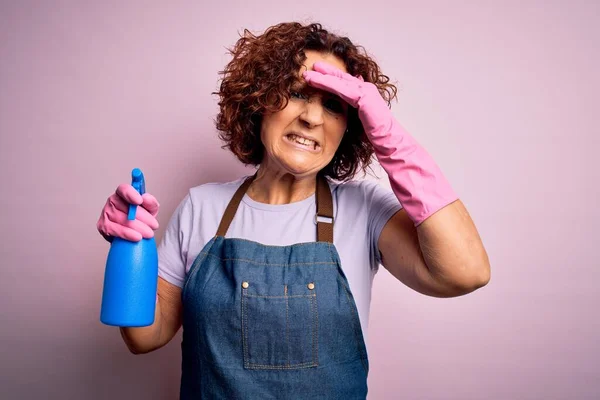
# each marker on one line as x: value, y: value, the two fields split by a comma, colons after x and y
x: 312, y: 115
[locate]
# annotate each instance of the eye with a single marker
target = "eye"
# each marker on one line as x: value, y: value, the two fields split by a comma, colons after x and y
x: 334, y: 105
x: 297, y: 95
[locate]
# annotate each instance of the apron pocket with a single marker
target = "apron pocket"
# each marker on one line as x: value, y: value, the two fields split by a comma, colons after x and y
x: 279, y: 326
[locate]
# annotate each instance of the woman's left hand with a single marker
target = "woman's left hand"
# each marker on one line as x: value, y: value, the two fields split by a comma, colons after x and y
x: 416, y: 179
x: 373, y: 111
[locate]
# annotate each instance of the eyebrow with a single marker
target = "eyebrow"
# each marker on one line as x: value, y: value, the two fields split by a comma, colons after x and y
x: 299, y: 86
x: 306, y: 88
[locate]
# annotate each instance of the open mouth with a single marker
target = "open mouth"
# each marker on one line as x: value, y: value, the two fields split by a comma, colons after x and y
x: 308, y: 143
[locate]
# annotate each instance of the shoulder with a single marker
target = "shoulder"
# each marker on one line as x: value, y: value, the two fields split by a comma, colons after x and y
x: 358, y: 189
x: 366, y: 197
x: 214, y: 190
x: 207, y: 196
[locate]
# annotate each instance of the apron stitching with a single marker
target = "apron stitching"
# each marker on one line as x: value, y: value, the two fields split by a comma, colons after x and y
x: 245, y: 330
x: 309, y: 364
x: 270, y: 264
x: 329, y: 245
x: 275, y: 246
x: 287, y: 326
x: 281, y: 297
x: 315, y: 330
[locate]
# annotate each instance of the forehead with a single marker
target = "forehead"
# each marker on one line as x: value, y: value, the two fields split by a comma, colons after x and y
x: 312, y: 56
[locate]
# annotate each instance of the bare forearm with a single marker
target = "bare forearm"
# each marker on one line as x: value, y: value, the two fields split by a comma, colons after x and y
x: 452, y: 249
x: 144, y: 339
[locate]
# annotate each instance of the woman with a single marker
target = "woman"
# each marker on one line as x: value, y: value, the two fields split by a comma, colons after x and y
x: 275, y: 305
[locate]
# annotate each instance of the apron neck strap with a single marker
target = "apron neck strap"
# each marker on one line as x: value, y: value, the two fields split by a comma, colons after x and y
x: 324, y: 211
x: 323, y: 217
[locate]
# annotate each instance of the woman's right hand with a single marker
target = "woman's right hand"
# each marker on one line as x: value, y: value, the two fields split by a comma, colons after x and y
x: 113, y: 220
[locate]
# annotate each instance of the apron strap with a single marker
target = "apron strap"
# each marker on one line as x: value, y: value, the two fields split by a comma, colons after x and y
x: 233, y: 206
x: 324, y: 209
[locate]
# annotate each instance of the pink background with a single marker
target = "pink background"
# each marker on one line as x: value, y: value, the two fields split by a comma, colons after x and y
x: 503, y: 94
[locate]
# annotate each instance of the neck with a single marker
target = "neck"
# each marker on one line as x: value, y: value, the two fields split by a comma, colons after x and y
x: 277, y: 187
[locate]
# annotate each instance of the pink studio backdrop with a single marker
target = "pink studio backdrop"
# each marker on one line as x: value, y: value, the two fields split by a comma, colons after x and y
x: 502, y: 94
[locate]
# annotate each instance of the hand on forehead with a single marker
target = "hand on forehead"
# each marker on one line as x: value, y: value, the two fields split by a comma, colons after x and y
x: 313, y: 57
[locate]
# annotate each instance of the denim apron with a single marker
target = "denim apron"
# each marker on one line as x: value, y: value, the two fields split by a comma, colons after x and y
x: 271, y: 322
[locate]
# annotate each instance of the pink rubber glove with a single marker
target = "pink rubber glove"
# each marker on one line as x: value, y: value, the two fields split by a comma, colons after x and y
x: 415, y: 178
x: 113, y: 219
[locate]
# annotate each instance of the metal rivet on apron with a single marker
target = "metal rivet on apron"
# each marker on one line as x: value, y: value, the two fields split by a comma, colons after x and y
x: 245, y: 285
x: 311, y: 286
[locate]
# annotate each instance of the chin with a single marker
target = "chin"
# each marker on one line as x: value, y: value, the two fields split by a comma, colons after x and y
x: 299, y: 169
x: 299, y: 164
x: 301, y: 172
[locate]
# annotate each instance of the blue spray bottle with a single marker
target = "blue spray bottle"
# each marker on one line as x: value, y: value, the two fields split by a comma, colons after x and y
x: 131, y: 276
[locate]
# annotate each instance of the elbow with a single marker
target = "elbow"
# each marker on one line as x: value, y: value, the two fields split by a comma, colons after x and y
x: 478, y: 277
x: 477, y: 274
x: 468, y: 281
x: 136, y: 347
x: 483, y: 272
x: 137, y: 350
x: 484, y: 277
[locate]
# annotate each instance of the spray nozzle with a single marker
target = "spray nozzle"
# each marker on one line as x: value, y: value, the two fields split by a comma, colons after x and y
x: 137, y: 181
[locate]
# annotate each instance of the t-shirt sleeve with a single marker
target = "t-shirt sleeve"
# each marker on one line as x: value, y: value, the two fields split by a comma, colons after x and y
x: 173, y: 248
x: 383, y: 204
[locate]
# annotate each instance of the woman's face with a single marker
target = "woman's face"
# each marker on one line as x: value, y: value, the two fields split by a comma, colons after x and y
x: 302, y: 138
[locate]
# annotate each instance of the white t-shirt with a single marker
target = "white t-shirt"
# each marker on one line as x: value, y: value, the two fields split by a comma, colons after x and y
x: 360, y: 210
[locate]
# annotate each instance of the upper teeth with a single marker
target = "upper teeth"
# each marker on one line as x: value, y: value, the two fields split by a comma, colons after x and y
x: 302, y: 140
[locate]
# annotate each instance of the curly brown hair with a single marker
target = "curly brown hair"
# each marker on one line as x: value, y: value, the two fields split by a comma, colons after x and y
x: 259, y: 79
